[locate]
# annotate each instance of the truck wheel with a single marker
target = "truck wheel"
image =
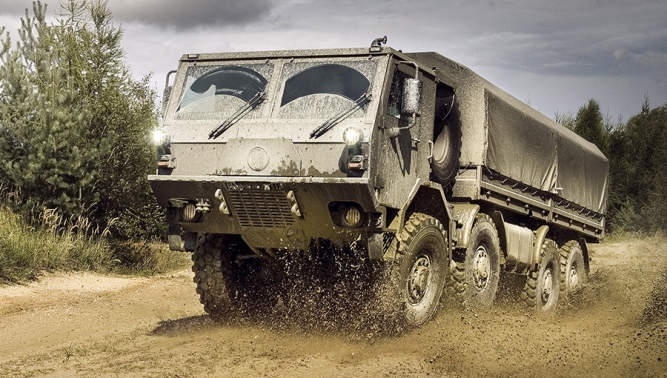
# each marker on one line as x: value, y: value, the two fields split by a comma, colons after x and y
x: 446, y: 153
x: 480, y: 271
x: 213, y: 271
x: 542, y: 284
x: 253, y: 284
x: 420, y: 273
x: 572, y: 268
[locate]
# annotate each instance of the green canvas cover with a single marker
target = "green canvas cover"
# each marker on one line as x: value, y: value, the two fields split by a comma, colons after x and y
x: 516, y: 141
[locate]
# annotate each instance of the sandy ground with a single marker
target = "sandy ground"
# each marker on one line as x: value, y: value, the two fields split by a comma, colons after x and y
x: 90, y: 325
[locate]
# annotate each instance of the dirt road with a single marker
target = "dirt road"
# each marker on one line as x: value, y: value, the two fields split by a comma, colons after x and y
x: 101, y: 326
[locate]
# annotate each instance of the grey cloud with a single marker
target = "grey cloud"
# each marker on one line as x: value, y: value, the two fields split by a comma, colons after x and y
x: 175, y: 14
x: 653, y: 59
x: 565, y: 37
x: 192, y: 14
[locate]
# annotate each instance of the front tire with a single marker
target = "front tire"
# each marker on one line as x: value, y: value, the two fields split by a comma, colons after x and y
x: 420, y: 274
x: 213, y: 271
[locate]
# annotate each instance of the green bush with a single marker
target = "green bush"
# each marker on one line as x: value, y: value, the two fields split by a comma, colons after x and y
x: 54, y: 244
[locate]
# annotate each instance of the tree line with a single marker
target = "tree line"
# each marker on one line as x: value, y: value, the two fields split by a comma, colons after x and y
x: 637, y: 153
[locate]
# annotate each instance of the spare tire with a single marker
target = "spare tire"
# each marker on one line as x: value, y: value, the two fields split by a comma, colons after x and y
x: 446, y: 150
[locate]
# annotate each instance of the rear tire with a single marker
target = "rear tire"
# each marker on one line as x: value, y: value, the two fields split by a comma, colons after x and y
x: 542, y: 287
x: 572, y: 269
x: 476, y: 279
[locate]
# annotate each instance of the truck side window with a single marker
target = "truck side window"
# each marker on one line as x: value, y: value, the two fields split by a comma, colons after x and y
x: 444, y: 98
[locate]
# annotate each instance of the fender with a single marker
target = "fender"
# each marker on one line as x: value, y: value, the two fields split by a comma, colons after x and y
x: 540, y: 235
x: 464, y: 215
x: 423, y: 188
x: 584, y: 250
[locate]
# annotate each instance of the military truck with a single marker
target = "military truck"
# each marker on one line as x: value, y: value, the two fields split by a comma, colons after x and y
x: 411, y: 159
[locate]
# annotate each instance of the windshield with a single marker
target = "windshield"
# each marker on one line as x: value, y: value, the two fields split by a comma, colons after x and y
x: 216, y: 92
x: 317, y: 91
x: 308, y: 89
x: 329, y: 79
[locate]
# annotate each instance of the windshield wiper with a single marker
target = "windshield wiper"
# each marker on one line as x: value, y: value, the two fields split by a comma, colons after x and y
x: 331, y: 122
x: 238, y: 114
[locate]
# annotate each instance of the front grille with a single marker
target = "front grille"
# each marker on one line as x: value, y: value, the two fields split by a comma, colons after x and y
x: 260, y: 205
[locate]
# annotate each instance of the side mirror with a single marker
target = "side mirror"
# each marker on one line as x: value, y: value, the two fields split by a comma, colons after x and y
x: 412, y: 96
x: 411, y: 103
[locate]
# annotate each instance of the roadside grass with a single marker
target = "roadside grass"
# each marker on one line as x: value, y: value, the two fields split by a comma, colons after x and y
x: 148, y: 258
x: 624, y: 236
x: 28, y: 251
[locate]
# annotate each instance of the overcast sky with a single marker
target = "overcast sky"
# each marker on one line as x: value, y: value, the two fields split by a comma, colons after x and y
x: 555, y: 55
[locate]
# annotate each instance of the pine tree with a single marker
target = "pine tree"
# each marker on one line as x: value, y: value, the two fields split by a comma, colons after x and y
x: 590, y: 125
x: 123, y: 116
x: 42, y: 151
x: 74, y: 125
x: 649, y: 138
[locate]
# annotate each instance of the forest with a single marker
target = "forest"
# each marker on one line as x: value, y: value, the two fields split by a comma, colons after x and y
x: 637, y: 153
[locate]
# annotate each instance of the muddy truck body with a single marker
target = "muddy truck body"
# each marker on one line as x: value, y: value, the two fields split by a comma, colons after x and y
x: 410, y: 159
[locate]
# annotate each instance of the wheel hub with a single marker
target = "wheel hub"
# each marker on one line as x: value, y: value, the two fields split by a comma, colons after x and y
x: 418, y: 280
x: 481, y: 268
x: 574, y: 277
x: 547, y: 283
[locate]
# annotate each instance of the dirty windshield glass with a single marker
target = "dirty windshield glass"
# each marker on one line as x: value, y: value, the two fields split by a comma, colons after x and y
x: 215, y: 92
x: 319, y: 91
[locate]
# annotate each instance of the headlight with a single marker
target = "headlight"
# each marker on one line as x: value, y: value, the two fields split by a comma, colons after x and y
x: 352, y: 136
x: 157, y: 137
x: 189, y: 212
x: 160, y: 138
x: 352, y: 217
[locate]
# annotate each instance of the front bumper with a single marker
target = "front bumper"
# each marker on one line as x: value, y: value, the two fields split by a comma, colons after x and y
x: 261, y: 209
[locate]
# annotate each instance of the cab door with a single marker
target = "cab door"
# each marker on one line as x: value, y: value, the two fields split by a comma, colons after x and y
x: 401, y: 160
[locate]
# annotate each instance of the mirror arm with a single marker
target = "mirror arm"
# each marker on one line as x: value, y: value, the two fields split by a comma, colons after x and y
x: 416, y: 67
x: 394, y: 131
x: 166, y: 93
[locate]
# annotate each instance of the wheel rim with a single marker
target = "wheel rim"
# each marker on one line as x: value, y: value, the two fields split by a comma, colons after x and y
x: 481, y: 268
x: 547, y: 283
x: 419, y: 278
x: 574, y: 277
x: 441, y: 145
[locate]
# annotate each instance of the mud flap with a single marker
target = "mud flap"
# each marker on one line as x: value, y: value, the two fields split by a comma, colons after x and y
x: 181, y: 241
x: 376, y: 246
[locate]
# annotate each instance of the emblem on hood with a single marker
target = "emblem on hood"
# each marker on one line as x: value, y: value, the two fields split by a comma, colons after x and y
x: 258, y: 159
